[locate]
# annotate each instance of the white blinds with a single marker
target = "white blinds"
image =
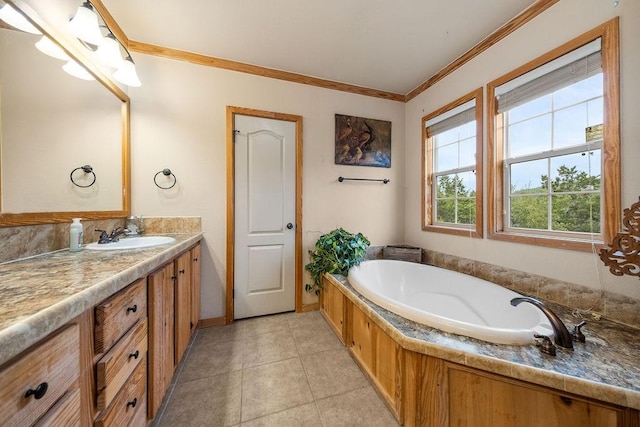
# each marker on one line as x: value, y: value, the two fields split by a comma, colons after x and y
x: 566, y: 75
x: 452, y: 119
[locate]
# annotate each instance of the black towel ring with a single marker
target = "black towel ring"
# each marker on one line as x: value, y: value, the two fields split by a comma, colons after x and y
x: 165, y: 172
x: 86, y: 169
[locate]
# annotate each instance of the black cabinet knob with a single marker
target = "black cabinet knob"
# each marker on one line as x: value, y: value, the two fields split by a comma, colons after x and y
x: 39, y: 391
x: 134, y: 355
x: 133, y: 403
x: 132, y: 309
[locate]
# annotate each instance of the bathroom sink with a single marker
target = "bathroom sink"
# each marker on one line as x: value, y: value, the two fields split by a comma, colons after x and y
x: 131, y: 243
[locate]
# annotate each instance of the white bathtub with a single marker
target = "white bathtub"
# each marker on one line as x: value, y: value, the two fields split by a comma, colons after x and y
x: 449, y: 301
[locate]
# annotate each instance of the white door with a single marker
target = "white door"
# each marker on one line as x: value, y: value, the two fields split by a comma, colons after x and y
x: 264, y: 251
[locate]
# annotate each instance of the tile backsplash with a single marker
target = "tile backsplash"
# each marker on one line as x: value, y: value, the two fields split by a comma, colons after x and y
x: 30, y: 240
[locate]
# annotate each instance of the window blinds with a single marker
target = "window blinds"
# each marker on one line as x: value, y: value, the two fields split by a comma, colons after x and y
x: 566, y: 75
x: 452, y: 119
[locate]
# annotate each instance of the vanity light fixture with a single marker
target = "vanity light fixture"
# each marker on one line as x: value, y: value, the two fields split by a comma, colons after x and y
x: 77, y: 70
x: 108, y: 52
x: 126, y: 74
x: 46, y: 46
x: 84, y: 25
x: 14, y: 18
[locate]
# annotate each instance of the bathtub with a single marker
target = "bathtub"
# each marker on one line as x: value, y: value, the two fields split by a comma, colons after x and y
x: 449, y: 301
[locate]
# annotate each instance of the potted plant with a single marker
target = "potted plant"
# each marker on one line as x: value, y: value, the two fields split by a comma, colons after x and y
x: 335, y: 252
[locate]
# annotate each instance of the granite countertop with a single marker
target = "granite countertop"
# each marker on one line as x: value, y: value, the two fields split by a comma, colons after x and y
x: 606, y: 367
x: 42, y: 293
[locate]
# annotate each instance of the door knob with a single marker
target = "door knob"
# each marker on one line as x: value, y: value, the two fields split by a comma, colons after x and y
x: 289, y: 226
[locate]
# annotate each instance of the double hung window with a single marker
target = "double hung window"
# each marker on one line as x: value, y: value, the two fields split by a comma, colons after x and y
x: 452, y: 167
x: 555, y: 125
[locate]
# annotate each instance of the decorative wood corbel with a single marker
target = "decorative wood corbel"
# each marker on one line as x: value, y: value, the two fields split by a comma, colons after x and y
x: 623, y: 257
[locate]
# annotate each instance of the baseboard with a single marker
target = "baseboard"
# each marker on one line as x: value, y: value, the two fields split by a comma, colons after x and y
x: 214, y: 321
x: 310, y: 307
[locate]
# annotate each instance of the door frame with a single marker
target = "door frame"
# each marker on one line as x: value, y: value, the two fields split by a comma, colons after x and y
x: 231, y: 113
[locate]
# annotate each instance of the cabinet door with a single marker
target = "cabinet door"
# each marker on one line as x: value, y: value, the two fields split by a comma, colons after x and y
x: 485, y: 400
x: 182, y: 304
x: 161, y: 335
x: 195, y: 287
x: 332, y: 304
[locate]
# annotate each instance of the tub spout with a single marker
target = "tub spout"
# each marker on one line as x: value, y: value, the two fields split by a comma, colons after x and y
x: 562, y: 335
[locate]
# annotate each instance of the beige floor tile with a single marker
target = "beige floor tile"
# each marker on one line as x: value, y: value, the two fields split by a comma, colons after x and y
x: 316, y: 339
x: 209, y: 360
x: 219, y: 334
x: 213, y: 401
x: 304, y: 415
x: 311, y: 319
x: 268, y: 347
x: 361, y: 407
x: 264, y: 324
x: 332, y: 372
x: 271, y: 388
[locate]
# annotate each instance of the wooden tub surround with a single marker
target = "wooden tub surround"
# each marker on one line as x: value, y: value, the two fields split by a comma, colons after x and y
x: 432, y: 378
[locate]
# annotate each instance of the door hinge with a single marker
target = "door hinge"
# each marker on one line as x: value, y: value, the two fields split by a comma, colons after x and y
x: 235, y: 132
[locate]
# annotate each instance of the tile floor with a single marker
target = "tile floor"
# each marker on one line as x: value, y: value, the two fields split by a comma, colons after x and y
x: 283, y: 370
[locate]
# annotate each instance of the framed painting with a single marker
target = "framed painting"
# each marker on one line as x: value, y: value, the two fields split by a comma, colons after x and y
x: 362, y: 142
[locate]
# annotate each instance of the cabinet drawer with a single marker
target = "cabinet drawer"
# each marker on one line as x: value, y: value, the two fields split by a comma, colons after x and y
x: 37, y: 379
x: 117, y: 365
x: 129, y: 401
x: 117, y: 314
x: 65, y: 413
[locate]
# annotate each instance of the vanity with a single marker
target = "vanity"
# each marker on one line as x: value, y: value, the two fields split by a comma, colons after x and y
x: 93, y: 337
x: 432, y: 378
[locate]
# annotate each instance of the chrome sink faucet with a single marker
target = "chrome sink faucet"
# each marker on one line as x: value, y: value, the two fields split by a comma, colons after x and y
x: 562, y: 335
x: 109, y: 238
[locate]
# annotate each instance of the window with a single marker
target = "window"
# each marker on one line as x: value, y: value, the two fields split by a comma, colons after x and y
x: 556, y: 122
x: 452, y: 167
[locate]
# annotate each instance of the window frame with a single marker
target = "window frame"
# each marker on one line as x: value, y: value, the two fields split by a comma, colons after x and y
x: 428, y: 195
x: 610, y: 174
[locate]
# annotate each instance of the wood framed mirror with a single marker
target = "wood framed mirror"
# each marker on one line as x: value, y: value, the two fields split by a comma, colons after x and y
x: 52, y: 124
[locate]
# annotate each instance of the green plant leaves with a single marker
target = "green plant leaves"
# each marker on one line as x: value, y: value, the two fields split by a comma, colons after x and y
x: 335, y: 252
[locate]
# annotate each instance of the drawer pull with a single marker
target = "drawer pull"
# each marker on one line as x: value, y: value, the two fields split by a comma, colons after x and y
x: 133, y: 402
x: 39, y: 392
x: 181, y: 271
x: 195, y: 259
x: 132, y: 309
x: 134, y: 355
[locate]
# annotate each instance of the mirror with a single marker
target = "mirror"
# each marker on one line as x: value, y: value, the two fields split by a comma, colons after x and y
x: 51, y: 125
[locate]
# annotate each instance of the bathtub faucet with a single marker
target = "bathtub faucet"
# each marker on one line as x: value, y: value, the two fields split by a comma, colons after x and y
x: 562, y: 335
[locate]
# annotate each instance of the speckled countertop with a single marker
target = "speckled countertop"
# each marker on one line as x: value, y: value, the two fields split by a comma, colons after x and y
x: 42, y: 293
x: 606, y: 367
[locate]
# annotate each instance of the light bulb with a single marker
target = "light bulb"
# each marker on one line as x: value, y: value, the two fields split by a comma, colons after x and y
x: 84, y: 25
x: 126, y: 74
x: 76, y: 70
x: 14, y: 18
x: 109, y: 52
x: 46, y: 46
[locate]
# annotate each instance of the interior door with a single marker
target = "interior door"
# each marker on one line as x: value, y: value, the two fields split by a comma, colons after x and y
x: 264, y: 250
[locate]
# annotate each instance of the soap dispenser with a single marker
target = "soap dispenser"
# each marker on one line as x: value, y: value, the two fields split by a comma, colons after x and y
x: 75, y: 235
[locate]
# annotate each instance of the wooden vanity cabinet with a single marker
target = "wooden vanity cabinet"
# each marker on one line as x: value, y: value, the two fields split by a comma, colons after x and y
x: 173, y: 318
x: 121, y: 342
x: 41, y: 384
x: 161, y: 335
x: 196, y: 274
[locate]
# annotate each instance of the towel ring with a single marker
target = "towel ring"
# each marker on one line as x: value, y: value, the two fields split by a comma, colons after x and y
x: 165, y: 172
x: 86, y: 169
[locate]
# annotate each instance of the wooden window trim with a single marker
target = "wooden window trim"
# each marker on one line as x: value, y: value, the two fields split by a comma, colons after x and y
x: 611, y: 211
x: 427, y: 162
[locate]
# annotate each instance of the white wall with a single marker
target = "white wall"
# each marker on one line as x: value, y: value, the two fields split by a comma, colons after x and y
x: 178, y: 122
x: 561, y: 23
